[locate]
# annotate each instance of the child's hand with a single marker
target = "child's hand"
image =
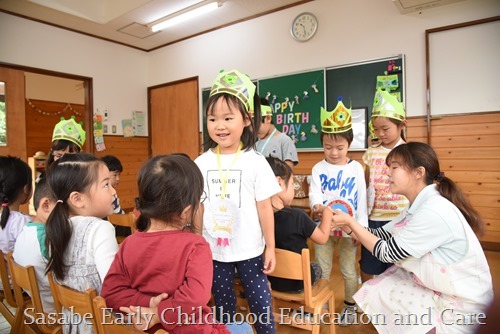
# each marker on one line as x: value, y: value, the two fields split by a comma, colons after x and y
x: 145, y: 317
x: 269, y: 261
x: 318, y: 211
x: 340, y: 219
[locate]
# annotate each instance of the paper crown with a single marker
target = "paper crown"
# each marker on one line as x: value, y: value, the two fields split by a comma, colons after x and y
x: 336, y: 121
x: 69, y: 130
x: 235, y: 83
x: 387, y: 105
x: 266, y: 110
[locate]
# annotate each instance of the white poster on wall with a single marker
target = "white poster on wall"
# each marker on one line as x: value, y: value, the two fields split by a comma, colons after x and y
x: 138, y: 123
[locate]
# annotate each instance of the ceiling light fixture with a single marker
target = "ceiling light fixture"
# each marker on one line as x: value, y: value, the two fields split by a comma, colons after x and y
x: 185, y: 14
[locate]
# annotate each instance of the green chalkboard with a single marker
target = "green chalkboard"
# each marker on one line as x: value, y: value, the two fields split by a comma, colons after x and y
x: 296, y: 100
x: 296, y: 103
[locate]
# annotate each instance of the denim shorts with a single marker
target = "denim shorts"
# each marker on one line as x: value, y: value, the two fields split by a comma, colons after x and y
x: 369, y: 264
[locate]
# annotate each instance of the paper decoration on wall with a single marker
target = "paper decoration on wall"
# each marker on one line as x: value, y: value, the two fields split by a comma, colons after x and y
x: 128, y: 129
x: 98, y: 133
x: 138, y: 123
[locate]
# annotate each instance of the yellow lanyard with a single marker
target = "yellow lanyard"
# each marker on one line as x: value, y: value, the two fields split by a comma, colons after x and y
x: 223, y: 178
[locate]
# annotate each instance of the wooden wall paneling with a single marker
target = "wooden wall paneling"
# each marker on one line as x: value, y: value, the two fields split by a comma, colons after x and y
x: 468, y: 147
x: 132, y: 152
x: 42, y: 116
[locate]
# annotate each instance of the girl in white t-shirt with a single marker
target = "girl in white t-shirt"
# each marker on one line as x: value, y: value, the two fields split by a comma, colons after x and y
x: 15, y: 189
x: 238, y: 182
x: 81, y: 246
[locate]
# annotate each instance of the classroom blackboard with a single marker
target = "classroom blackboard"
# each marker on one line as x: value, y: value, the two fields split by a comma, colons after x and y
x: 296, y: 100
x: 356, y: 84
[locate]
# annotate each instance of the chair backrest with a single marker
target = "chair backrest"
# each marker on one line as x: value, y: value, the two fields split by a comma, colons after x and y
x: 24, y: 278
x: 291, y: 265
x: 7, y: 301
x: 127, y: 220
x: 80, y: 302
x: 4, y: 275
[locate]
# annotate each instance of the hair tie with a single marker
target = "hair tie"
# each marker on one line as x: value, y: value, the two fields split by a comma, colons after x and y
x: 439, y: 177
x: 59, y: 201
x: 5, y: 204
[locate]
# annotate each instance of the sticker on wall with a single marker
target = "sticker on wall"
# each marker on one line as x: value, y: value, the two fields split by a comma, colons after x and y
x: 138, y: 123
x: 128, y: 130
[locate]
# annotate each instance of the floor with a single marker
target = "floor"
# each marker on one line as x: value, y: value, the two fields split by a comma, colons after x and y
x: 337, y: 285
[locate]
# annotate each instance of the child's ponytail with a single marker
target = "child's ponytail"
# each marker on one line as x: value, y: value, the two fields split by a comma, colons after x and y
x: 15, y: 181
x: 72, y: 173
x: 58, y: 234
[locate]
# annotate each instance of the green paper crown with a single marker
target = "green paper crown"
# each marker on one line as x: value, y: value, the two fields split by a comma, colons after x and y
x: 336, y: 121
x: 266, y: 111
x: 69, y: 130
x: 237, y: 84
x: 387, y: 105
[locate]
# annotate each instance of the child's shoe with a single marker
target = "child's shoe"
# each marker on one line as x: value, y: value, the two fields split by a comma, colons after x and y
x: 348, y: 316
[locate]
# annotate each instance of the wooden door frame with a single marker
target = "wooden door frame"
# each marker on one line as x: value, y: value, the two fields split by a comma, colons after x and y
x: 88, y: 93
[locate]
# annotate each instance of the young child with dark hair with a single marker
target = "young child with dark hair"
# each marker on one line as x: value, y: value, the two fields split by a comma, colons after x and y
x: 273, y: 143
x: 30, y: 248
x: 238, y: 220
x: 165, y: 268
x: 15, y: 189
x: 292, y: 227
x: 115, y: 169
x: 338, y: 182
x: 68, y: 136
x: 81, y: 245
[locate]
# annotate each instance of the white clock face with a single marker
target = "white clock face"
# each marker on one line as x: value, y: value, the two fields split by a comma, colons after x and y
x: 304, y: 26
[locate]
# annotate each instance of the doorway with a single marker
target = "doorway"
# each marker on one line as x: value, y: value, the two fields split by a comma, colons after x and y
x: 28, y: 119
x: 174, y: 118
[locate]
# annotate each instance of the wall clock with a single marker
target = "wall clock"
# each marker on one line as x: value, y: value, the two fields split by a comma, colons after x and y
x: 304, y: 27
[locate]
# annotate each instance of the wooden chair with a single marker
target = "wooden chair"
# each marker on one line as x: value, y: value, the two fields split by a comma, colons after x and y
x: 80, y: 302
x: 291, y: 265
x: 126, y: 220
x: 107, y: 323
x: 7, y: 300
x: 24, y: 278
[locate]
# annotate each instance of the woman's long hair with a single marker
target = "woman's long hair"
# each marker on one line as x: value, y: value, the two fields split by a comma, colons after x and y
x: 413, y: 155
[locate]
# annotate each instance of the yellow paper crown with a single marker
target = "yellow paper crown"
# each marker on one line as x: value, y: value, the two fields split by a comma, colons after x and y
x: 235, y: 83
x: 69, y: 130
x: 387, y: 105
x: 336, y: 121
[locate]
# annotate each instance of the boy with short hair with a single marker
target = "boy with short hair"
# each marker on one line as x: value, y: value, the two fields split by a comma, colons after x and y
x: 273, y: 143
x: 339, y: 182
x: 30, y: 249
x: 115, y: 169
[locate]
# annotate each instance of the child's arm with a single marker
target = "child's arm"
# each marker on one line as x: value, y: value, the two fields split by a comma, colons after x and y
x: 315, y: 193
x: 322, y: 232
x: 103, y: 246
x: 266, y: 218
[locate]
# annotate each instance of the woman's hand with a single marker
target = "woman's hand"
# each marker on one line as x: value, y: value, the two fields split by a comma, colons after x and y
x: 341, y: 219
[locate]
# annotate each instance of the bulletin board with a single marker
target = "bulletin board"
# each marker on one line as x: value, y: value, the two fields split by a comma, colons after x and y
x: 296, y: 100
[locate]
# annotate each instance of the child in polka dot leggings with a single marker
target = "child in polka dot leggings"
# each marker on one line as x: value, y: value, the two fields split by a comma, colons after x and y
x: 238, y: 221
